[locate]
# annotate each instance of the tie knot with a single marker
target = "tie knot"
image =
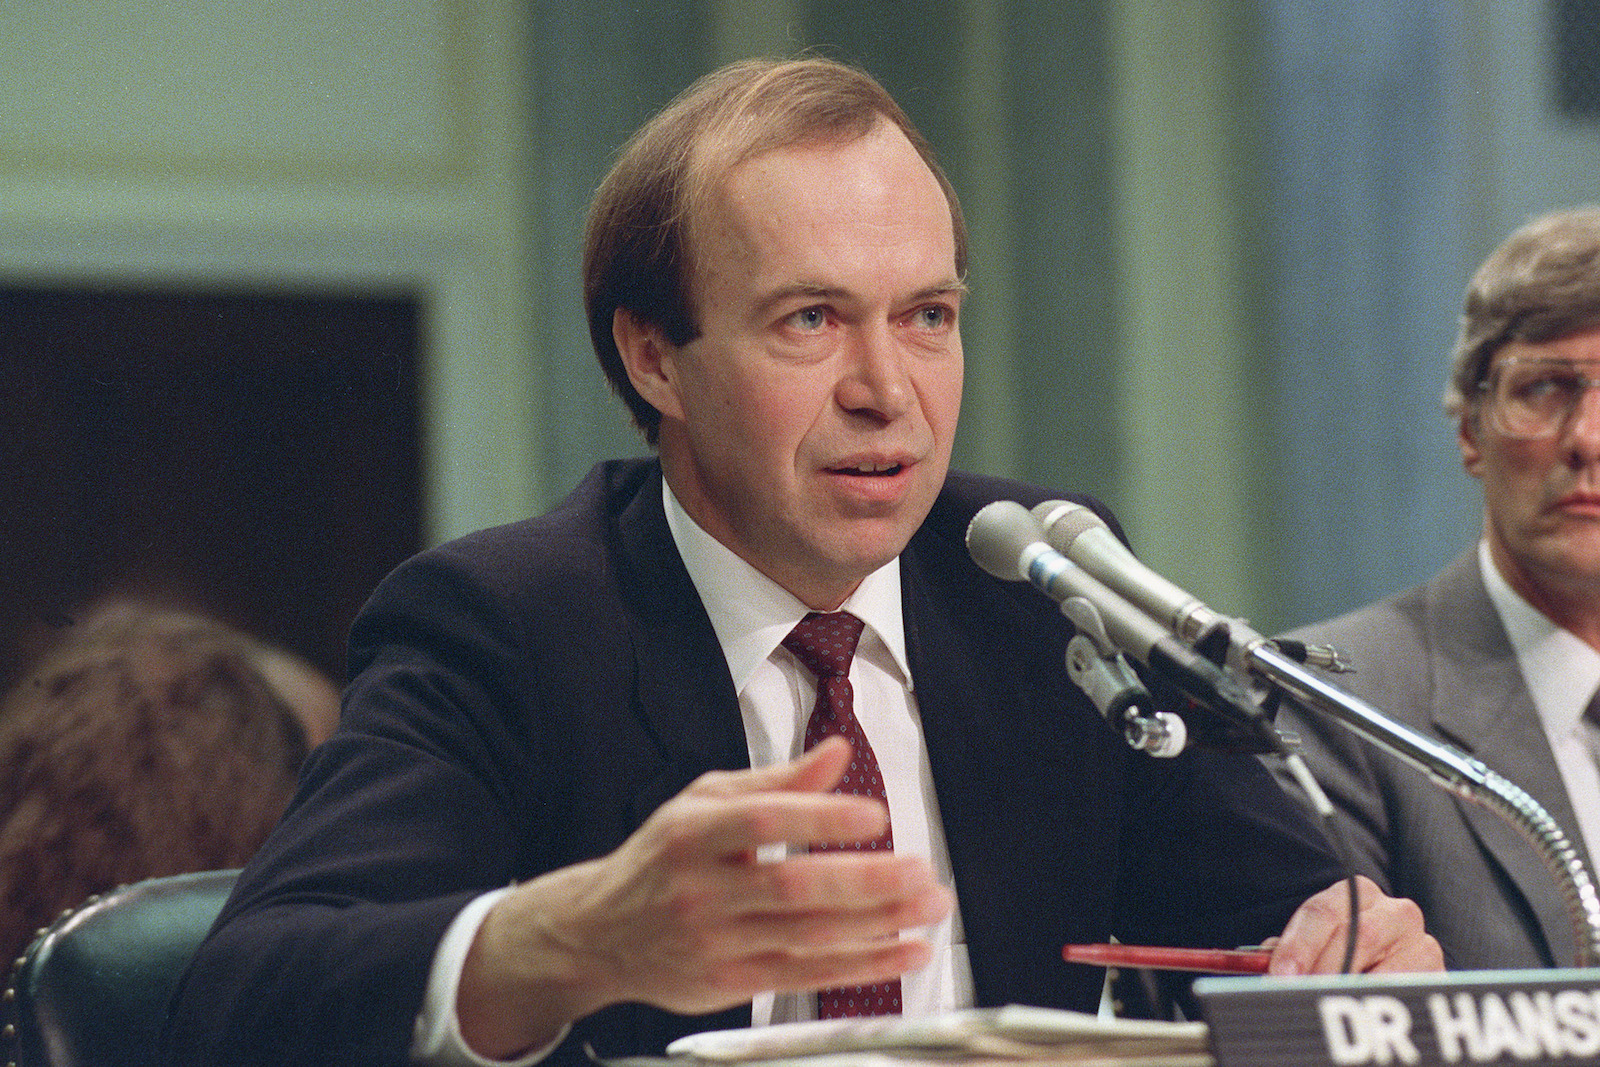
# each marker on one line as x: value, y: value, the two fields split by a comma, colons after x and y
x: 825, y: 643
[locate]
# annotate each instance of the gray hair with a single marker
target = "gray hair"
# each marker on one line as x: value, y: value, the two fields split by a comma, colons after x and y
x: 1540, y: 285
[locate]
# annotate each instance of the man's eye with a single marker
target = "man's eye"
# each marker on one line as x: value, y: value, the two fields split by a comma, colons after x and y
x: 932, y: 317
x: 1547, y: 385
x: 808, y: 319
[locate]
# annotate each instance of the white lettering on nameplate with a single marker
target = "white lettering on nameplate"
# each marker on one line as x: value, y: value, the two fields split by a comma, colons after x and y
x: 1513, y: 1018
x: 1368, y: 1029
x: 1521, y: 1025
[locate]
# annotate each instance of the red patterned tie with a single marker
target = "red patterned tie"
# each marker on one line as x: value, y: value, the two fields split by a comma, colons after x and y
x: 826, y: 644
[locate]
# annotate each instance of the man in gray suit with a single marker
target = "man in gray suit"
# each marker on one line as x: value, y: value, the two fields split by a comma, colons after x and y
x: 1500, y: 653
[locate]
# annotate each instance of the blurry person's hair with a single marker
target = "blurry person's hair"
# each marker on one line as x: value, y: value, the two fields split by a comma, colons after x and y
x: 144, y: 743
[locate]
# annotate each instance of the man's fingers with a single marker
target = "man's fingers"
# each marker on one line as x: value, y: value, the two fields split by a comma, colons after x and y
x: 732, y: 813
x: 823, y: 932
x: 700, y: 919
x: 838, y: 880
x: 816, y: 771
x: 1389, y: 934
x: 821, y: 767
x: 1314, y: 940
x: 786, y: 971
x: 807, y: 903
x: 728, y: 827
x: 1398, y: 942
x: 846, y: 895
x: 809, y: 900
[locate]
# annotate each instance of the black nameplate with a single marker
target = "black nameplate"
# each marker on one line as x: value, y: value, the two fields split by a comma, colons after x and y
x: 1535, y: 1018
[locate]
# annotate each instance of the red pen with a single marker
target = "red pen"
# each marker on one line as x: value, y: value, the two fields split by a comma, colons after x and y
x: 1210, y: 960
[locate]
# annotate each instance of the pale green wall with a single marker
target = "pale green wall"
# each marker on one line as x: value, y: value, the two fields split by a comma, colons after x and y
x: 448, y: 148
x: 1193, y: 426
x: 364, y: 144
x: 1106, y: 151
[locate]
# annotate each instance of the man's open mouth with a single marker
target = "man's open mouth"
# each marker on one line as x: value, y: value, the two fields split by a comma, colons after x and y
x: 872, y: 471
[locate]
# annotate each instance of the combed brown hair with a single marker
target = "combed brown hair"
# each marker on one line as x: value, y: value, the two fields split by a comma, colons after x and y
x: 1542, y: 284
x: 149, y: 745
x: 638, y: 249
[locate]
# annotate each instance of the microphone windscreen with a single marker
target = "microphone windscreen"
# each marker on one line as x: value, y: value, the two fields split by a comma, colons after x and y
x: 998, y: 536
x: 1063, y: 521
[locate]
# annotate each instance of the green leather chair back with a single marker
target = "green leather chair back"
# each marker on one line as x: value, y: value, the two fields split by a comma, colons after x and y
x: 92, y: 990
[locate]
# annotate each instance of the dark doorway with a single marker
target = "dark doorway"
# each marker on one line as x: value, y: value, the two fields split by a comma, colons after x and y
x: 252, y: 456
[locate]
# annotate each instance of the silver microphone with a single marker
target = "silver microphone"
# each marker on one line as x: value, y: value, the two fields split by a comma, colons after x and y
x: 1083, y: 537
x: 1008, y: 542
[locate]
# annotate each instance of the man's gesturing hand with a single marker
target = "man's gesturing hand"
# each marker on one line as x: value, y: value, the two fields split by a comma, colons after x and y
x: 683, y: 915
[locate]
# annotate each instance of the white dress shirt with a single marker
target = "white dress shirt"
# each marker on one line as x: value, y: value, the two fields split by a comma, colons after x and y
x: 751, y: 615
x: 1561, y: 672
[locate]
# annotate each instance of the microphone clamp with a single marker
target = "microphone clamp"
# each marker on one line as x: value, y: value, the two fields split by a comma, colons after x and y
x: 1101, y: 671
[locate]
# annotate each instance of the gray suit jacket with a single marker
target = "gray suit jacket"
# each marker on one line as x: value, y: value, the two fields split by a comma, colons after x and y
x: 1437, y: 658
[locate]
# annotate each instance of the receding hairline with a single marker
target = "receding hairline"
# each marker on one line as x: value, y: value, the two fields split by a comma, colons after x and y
x: 766, y: 111
x: 637, y: 244
x: 715, y: 170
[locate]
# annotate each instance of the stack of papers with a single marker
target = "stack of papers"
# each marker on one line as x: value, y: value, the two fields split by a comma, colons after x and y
x: 991, y: 1035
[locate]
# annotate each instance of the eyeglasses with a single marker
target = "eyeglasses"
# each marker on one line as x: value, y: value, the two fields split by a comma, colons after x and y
x: 1534, y: 398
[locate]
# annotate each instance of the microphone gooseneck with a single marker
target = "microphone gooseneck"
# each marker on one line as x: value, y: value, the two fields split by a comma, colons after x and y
x: 1081, y: 536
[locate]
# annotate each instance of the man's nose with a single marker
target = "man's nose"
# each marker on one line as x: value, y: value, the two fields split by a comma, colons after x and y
x: 1582, y: 433
x: 877, y: 382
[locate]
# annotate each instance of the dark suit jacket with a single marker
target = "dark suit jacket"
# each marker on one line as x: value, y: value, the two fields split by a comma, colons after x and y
x: 1438, y: 659
x: 525, y: 697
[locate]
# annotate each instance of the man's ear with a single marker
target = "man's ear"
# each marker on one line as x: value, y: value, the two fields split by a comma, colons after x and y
x: 1467, y: 437
x: 649, y: 360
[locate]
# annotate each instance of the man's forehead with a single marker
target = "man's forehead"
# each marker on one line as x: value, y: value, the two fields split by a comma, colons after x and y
x: 726, y: 174
x: 1581, y: 345
x: 760, y: 206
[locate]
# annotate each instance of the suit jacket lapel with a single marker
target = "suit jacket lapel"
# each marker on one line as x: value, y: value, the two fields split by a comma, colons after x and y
x: 1481, y: 703
x: 684, y: 691
x: 1005, y: 816
x: 948, y: 701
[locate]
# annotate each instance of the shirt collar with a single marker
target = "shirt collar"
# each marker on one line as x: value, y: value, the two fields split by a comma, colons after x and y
x: 751, y: 613
x: 1560, y: 670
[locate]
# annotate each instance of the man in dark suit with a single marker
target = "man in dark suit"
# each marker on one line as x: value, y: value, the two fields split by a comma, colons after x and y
x: 571, y: 802
x: 1500, y: 653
